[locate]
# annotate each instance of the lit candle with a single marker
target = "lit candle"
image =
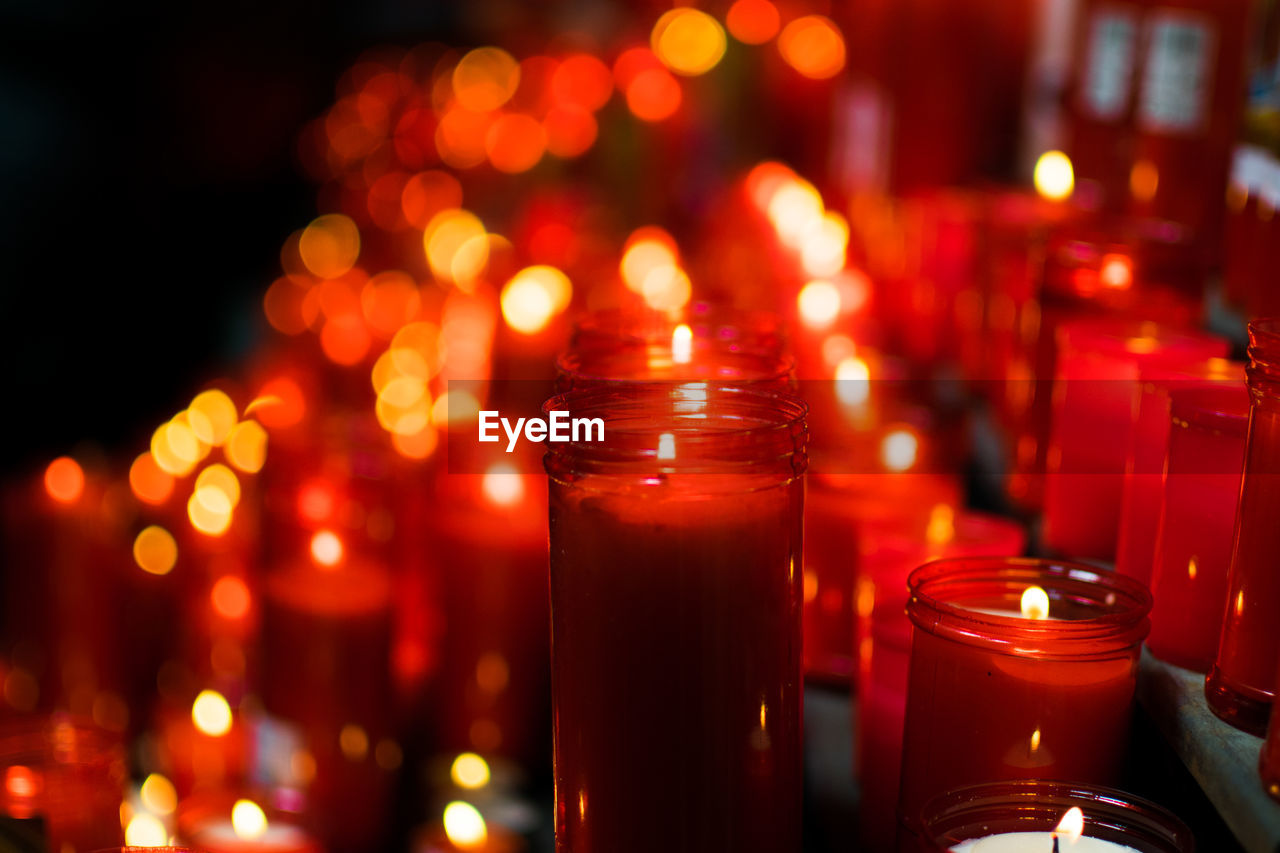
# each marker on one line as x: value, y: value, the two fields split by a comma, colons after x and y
x: 675, y: 600
x: 226, y: 824
x: 1050, y: 648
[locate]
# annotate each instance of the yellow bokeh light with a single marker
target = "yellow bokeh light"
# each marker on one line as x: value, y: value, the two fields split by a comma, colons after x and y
x: 819, y: 303
x: 417, y: 350
x: 248, y: 820
x: 464, y: 825
x: 469, y: 771
x: 533, y: 296
x: 813, y: 46
x: 175, y: 448
x: 158, y: 795
x: 222, y: 478
x: 211, y: 713
x: 1053, y: 176
x: 823, y: 249
x: 444, y: 238
x: 145, y: 830
x: 419, y: 445
x: 155, y: 550
x: 853, y: 381
x: 330, y: 245
x: 899, y: 450
x: 485, y: 79
x: 688, y: 41
x: 644, y: 254
x: 212, y: 414
x: 246, y: 447
x: 796, y: 210
x: 209, y: 510
x: 666, y: 289
x: 502, y: 485
x: 457, y: 406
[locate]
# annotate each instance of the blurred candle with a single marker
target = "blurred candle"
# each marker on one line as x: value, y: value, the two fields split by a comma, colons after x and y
x: 675, y: 596
x: 1198, y: 511
x: 223, y: 822
x: 1240, y: 684
x: 1098, y: 364
x: 1019, y: 669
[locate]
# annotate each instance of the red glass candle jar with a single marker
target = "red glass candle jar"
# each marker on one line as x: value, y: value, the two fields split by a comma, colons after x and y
x: 675, y: 607
x: 995, y: 695
x: 1269, y: 759
x: 1193, y: 547
x: 1143, y: 489
x: 223, y: 822
x: 66, y: 779
x: 953, y: 821
x: 1240, y: 684
x: 841, y: 514
x: 883, y: 642
x: 1098, y: 364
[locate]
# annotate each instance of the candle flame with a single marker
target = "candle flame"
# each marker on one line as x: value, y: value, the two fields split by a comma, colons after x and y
x: 1054, y: 176
x: 819, y: 303
x: 853, y: 381
x: 682, y: 344
x: 898, y: 450
x: 667, y: 446
x: 248, y: 820
x: 469, y: 771
x: 502, y: 485
x: 326, y: 548
x: 464, y: 825
x: 942, y: 525
x: 1035, y: 603
x: 211, y: 713
x: 1072, y: 824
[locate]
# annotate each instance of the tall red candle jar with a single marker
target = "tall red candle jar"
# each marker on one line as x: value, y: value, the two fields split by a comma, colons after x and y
x: 1269, y: 759
x: 1241, y: 683
x: 1095, y: 383
x: 883, y: 643
x: 675, y: 609
x: 1193, y: 548
x: 957, y: 821
x: 843, y: 513
x: 1143, y: 488
x: 63, y: 782
x: 997, y: 695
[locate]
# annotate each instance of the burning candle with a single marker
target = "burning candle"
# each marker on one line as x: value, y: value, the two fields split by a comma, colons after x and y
x: 1148, y: 449
x: 675, y: 600
x: 1193, y: 548
x: 222, y: 823
x: 1098, y: 364
x: 1051, y: 651
x: 1240, y: 684
x: 883, y: 641
x: 1037, y: 816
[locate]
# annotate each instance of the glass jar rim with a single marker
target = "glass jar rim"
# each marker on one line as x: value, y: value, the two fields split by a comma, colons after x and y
x: 1121, y: 628
x: 739, y: 428
x: 747, y: 366
x: 1264, y: 354
x: 1036, y: 805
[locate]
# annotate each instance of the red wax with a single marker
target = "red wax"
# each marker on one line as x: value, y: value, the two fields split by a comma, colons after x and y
x: 67, y: 775
x: 1095, y: 386
x: 1149, y: 446
x: 841, y: 513
x: 676, y: 634
x: 883, y: 641
x: 996, y: 696
x: 1240, y: 684
x: 1193, y: 548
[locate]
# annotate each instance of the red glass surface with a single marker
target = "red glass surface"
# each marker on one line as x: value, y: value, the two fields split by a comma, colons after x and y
x: 1143, y: 489
x: 995, y: 696
x: 675, y: 595
x: 1095, y: 387
x: 883, y: 642
x: 1193, y: 547
x: 1240, y: 684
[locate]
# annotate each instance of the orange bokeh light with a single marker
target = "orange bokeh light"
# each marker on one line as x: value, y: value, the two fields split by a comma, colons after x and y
x: 389, y: 300
x: 326, y: 548
x: 428, y: 193
x: 330, y: 245
x: 485, y: 79
x: 280, y: 403
x: 570, y: 130
x: 753, y: 21
x: 345, y: 339
x: 460, y: 137
x: 230, y: 597
x: 283, y: 305
x: 316, y: 502
x: 654, y: 95
x: 632, y: 62
x: 813, y: 46
x: 583, y: 81
x: 515, y: 143
x: 149, y: 483
x: 688, y: 41
x: 64, y: 480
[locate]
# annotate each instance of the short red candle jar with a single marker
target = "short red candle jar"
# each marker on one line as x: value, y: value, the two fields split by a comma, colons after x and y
x: 996, y: 695
x: 675, y: 609
x: 1193, y: 546
x: 1241, y: 683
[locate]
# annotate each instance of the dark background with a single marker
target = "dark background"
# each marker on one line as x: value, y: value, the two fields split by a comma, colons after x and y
x: 147, y: 180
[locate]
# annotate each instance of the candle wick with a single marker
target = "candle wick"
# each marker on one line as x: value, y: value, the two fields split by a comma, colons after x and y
x: 1055, y: 843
